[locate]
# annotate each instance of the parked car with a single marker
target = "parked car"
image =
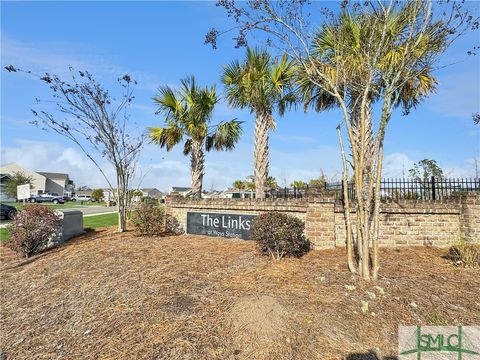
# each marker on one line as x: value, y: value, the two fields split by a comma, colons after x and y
x: 82, y: 198
x: 7, y: 212
x: 47, y: 198
x: 49, y: 194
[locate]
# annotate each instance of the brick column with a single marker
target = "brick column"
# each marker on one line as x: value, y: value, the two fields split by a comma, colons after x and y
x: 320, y: 221
x: 470, y: 216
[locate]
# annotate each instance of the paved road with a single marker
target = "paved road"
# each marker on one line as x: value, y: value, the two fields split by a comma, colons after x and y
x: 94, y: 209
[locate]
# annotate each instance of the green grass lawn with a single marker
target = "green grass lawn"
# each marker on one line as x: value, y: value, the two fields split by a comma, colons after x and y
x: 99, y: 221
x: 3, y: 234
x: 67, y: 205
x: 93, y: 222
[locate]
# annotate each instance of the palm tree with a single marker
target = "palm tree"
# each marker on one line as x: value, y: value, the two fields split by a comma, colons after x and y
x: 239, y: 184
x: 188, y: 113
x: 359, y: 59
x: 271, y: 182
x: 299, y: 184
x: 263, y: 86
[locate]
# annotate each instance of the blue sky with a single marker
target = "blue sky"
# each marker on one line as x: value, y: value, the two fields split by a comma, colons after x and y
x: 161, y: 42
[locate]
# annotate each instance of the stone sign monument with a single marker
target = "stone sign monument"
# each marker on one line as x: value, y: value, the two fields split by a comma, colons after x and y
x: 217, y: 224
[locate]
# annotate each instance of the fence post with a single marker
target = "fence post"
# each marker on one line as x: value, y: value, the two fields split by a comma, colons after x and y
x: 433, y: 187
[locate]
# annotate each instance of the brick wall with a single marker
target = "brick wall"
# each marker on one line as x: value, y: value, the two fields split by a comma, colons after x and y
x: 407, y: 222
x: 410, y: 222
x: 179, y: 206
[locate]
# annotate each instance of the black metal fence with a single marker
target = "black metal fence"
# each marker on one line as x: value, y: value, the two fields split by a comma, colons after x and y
x: 287, y: 193
x: 403, y: 188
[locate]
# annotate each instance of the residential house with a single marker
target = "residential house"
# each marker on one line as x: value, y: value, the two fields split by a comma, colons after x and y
x: 153, y: 193
x: 178, y: 190
x: 3, y: 180
x: 86, y: 192
x: 42, y: 182
x: 232, y: 193
x: 109, y: 195
x: 58, y: 183
x: 214, y: 194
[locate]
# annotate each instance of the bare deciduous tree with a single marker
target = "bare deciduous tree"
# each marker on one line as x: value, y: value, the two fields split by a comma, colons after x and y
x: 84, y: 112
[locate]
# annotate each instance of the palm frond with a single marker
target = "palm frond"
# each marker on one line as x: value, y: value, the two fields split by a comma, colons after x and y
x: 166, y: 137
x: 167, y: 101
x: 258, y: 82
x: 187, y: 148
x: 225, y: 137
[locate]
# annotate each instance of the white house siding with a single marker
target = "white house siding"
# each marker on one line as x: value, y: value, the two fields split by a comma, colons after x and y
x: 55, y: 186
x: 39, y: 181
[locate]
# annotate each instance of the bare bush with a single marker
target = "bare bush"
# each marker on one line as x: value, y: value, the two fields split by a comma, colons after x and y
x: 465, y: 254
x: 32, y: 229
x: 279, y: 235
x: 172, y: 226
x: 148, y: 219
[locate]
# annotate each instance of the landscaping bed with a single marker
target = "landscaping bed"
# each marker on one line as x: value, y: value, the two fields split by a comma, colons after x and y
x: 108, y: 295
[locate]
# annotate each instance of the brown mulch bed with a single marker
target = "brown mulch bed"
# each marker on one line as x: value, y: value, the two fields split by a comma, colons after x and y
x: 117, y: 296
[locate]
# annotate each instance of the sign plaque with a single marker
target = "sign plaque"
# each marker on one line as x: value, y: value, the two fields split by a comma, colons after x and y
x: 218, y: 224
x: 23, y: 192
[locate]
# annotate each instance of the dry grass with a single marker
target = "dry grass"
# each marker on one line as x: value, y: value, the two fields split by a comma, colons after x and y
x: 111, y: 296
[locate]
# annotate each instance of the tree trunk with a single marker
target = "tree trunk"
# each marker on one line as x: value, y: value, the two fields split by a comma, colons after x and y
x: 361, y: 142
x: 263, y: 123
x: 378, y: 156
x: 197, y: 168
x: 346, y: 207
x: 376, y: 214
x: 122, y: 189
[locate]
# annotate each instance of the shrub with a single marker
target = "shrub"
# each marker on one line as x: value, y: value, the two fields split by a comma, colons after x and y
x: 148, y: 219
x: 32, y: 229
x: 172, y: 226
x: 278, y: 235
x: 464, y: 253
x: 97, y: 195
x: 149, y: 200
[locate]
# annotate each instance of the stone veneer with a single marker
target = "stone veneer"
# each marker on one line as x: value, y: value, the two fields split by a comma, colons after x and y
x: 404, y: 222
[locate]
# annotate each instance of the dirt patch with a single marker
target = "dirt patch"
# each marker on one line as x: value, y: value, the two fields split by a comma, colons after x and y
x: 258, y: 325
x: 117, y: 296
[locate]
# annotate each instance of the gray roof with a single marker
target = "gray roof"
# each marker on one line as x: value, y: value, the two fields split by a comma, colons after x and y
x: 237, y: 191
x: 181, y: 189
x: 149, y: 189
x: 52, y: 175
